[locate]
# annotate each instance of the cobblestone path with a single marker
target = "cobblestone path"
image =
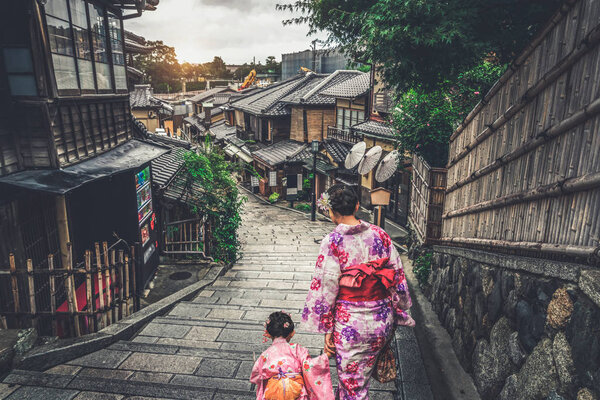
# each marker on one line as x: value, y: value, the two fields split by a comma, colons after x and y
x: 205, y: 348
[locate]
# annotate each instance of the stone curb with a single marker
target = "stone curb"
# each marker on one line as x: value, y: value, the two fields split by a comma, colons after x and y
x: 48, y: 356
x: 459, y: 384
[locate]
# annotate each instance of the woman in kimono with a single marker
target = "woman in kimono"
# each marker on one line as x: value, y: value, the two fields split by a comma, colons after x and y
x: 285, y: 371
x: 358, y: 294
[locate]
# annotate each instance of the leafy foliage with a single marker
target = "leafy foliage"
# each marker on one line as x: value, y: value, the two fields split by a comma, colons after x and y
x: 419, y: 43
x: 273, y: 197
x: 214, y: 193
x: 422, y: 268
x: 425, y: 121
x: 303, y: 207
x: 270, y: 66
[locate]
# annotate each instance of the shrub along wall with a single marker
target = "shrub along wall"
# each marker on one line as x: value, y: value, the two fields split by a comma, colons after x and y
x: 524, y: 328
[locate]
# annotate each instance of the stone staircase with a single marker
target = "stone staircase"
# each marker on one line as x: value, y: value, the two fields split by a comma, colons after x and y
x: 205, y: 348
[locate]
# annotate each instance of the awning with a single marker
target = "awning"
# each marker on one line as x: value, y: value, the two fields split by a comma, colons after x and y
x: 128, y: 156
x: 233, y: 151
x: 322, y: 167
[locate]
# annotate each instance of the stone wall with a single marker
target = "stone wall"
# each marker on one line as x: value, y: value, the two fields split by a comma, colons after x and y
x: 524, y: 328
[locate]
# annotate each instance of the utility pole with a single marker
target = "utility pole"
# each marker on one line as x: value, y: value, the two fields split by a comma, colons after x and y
x: 314, y: 55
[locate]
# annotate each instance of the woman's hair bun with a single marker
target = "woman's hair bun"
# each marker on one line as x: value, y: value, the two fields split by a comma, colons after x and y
x: 343, y: 199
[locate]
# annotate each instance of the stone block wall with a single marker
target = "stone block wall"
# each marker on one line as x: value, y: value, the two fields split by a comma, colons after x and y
x: 524, y: 328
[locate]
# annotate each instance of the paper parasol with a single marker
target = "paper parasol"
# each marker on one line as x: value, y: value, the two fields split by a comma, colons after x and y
x: 355, y: 155
x: 370, y: 160
x: 387, y: 167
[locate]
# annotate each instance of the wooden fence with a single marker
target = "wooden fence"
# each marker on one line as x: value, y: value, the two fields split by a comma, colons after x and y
x: 524, y: 171
x: 82, y: 298
x: 426, y: 200
x: 185, y: 237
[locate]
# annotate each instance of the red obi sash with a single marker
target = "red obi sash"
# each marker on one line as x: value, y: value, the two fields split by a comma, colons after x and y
x: 366, y: 282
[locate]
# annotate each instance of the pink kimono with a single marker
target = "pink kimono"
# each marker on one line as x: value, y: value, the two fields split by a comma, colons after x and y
x: 283, y: 357
x: 360, y: 328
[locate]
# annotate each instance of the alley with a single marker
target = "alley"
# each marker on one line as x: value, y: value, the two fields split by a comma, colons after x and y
x: 205, y: 348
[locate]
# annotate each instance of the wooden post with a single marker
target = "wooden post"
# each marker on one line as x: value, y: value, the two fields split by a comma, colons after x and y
x: 52, y: 284
x: 15, y: 288
x: 113, y: 285
x: 122, y: 312
x: 88, y: 292
x: 100, y: 288
x: 71, y: 297
x: 63, y: 226
x: 3, y: 324
x: 107, y: 283
x: 134, y: 280
x: 31, y: 287
x: 127, y: 284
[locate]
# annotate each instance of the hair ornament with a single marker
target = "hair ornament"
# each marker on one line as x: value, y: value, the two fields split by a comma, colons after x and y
x: 323, y: 203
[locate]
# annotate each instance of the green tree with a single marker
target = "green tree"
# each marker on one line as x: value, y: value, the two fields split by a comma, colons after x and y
x: 424, y: 43
x: 160, y: 67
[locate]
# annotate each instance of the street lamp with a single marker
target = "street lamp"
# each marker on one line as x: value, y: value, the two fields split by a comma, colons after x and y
x: 380, y: 197
x: 314, y: 149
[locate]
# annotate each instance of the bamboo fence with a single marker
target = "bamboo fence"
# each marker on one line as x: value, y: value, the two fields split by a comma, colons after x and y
x: 428, y: 187
x: 524, y: 171
x: 106, y: 279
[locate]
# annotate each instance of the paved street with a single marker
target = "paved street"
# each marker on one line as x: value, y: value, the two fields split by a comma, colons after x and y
x: 205, y: 348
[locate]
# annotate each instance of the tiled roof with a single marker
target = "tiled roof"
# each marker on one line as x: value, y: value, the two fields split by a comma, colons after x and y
x: 182, y: 190
x: 142, y: 96
x: 278, y: 153
x: 313, y: 92
x: 196, y: 122
x: 337, y: 150
x: 165, y: 167
x: 267, y: 101
x: 301, y: 155
x: 374, y: 128
x: 351, y: 88
x: 213, y: 112
x: 221, y: 130
x: 207, y: 94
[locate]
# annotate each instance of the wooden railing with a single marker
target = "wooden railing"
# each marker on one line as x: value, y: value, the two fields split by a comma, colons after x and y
x: 185, y: 237
x: 343, y: 135
x: 426, y: 200
x: 82, y: 298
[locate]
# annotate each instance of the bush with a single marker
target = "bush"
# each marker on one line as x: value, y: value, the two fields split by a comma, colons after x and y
x: 273, y: 198
x: 422, y: 268
x: 214, y: 193
x: 303, y: 207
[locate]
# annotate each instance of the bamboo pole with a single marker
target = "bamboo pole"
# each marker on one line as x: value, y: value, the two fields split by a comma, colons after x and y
x: 122, y: 312
x: 52, y: 284
x: 71, y: 297
x: 113, y: 285
x: 31, y: 287
x: 134, y: 280
x: 15, y: 287
x: 107, y: 283
x: 100, y: 289
x: 88, y: 293
x: 127, y: 284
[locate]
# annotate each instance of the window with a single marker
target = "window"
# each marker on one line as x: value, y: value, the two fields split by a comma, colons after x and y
x: 340, y: 118
x: 82, y: 38
x: 116, y: 41
x: 18, y: 65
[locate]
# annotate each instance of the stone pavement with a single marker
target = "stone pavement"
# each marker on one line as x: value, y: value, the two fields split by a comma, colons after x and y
x: 205, y: 348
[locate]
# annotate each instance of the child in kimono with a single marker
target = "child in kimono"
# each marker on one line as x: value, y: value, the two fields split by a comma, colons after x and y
x: 285, y: 371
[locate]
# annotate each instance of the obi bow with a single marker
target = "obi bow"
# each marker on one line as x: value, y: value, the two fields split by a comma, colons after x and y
x: 354, y: 275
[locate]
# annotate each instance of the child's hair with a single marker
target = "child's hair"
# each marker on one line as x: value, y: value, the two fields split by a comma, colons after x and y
x: 343, y: 199
x: 279, y: 324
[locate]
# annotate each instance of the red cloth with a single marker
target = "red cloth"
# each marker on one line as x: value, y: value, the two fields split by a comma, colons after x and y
x: 366, y: 282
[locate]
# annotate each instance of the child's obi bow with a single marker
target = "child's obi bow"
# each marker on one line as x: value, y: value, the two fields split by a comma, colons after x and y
x: 284, y: 385
x: 366, y: 282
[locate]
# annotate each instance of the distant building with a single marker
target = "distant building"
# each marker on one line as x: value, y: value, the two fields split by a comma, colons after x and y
x: 326, y: 61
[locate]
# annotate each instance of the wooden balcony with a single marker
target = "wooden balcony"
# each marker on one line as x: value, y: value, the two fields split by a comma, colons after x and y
x: 343, y: 135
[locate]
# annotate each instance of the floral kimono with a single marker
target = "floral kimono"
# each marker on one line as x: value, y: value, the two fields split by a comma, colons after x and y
x: 283, y: 358
x: 363, y: 324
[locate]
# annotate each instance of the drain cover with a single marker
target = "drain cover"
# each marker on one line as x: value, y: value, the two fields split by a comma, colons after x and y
x: 180, y: 276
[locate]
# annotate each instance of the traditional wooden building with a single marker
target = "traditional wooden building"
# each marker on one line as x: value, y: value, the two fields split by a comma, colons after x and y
x: 71, y: 170
x: 147, y: 109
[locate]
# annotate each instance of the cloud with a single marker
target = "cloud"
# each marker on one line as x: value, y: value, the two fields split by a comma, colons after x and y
x: 236, y: 30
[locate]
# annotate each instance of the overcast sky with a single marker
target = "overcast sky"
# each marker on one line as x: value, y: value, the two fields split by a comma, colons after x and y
x: 236, y: 30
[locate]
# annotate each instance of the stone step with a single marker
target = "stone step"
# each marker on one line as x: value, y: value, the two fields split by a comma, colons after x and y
x: 232, y: 312
x: 59, y: 386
